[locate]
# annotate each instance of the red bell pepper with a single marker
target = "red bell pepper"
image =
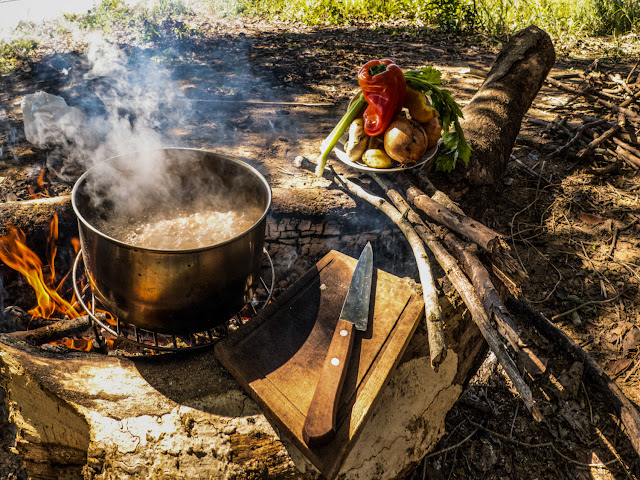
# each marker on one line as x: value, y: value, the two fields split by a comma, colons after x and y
x: 384, y: 88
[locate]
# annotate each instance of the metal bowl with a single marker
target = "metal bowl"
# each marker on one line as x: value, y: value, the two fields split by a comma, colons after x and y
x: 169, y: 291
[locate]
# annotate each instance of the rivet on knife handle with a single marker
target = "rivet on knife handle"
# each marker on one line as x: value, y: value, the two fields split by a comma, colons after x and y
x: 320, y: 424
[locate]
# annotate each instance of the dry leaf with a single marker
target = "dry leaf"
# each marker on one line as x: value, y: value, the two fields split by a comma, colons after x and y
x: 590, y: 218
x: 631, y: 340
x: 618, y: 366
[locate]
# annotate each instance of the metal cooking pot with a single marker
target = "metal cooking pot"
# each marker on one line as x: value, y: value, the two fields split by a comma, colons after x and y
x: 169, y: 291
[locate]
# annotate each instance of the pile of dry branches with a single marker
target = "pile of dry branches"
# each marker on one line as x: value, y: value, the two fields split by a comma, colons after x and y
x: 611, y: 137
x: 458, y: 243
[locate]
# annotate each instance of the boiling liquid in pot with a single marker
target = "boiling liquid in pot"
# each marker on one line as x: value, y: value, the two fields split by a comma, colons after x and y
x: 182, y: 230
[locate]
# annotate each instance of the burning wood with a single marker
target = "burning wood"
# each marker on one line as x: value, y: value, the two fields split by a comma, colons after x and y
x: 54, y: 318
x: 15, y: 253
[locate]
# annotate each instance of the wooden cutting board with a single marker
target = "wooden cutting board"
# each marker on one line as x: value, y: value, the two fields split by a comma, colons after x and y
x: 278, y: 355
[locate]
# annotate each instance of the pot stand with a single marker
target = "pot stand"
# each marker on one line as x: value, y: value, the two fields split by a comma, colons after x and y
x: 153, y: 340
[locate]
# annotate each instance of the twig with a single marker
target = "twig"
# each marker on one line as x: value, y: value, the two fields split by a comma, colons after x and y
x: 599, y: 140
x: 452, y: 447
x: 466, y: 291
x: 487, y: 239
x: 437, y: 346
x: 625, y: 408
x: 582, y: 305
x: 593, y: 96
x: 626, y: 146
x: 55, y: 331
x: 539, y: 445
x: 528, y: 169
x: 632, y: 160
x: 577, y: 136
x: 614, y: 452
x: 613, y: 241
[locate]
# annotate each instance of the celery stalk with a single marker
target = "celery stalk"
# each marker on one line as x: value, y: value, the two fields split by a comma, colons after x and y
x: 338, y: 131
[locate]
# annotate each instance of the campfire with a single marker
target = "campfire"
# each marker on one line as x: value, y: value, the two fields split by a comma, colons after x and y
x: 128, y: 413
x: 47, y: 286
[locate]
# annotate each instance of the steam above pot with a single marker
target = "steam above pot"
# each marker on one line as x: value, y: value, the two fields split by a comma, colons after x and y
x: 172, y: 239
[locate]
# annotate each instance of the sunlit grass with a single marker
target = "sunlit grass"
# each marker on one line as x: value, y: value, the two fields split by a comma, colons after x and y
x: 492, y: 17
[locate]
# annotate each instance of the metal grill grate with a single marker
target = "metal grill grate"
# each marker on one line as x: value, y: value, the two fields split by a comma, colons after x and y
x: 166, y: 342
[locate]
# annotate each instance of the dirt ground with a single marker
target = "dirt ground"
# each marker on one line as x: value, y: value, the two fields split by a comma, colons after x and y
x: 574, y: 226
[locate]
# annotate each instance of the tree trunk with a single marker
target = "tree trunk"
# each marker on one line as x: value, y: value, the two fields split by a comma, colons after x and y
x: 184, y: 416
x: 493, y: 117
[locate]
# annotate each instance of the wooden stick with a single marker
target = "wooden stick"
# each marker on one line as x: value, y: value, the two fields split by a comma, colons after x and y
x: 626, y: 146
x: 632, y: 160
x: 466, y: 291
x: 593, y: 96
x: 489, y: 240
x: 437, y: 346
x: 577, y: 136
x: 55, y: 331
x: 599, y: 140
x: 625, y: 408
x: 490, y: 298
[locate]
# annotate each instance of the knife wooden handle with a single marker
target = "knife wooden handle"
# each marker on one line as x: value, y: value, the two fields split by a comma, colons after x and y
x: 320, y: 425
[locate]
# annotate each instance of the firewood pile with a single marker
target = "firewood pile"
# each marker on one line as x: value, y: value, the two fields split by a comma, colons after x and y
x: 477, y: 261
x: 610, y: 136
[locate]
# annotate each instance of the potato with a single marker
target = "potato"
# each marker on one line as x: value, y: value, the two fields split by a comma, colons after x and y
x: 376, y: 158
x: 358, y: 140
x: 405, y: 141
x: 433, y: 129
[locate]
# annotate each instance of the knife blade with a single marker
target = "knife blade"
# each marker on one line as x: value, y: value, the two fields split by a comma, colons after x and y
x: 320, y: 424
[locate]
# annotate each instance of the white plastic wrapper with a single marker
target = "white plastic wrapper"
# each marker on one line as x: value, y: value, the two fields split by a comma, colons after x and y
x: 48, y: 120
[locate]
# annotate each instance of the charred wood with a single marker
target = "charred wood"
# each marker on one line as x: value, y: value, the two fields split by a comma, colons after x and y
x: 627, y: 411
x: 34, y: 217
x: 55, y: 331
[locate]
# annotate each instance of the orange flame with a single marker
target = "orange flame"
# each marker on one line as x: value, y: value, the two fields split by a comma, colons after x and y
x: 41, y: 191
x: 75, y: 343
x: 15, y: 254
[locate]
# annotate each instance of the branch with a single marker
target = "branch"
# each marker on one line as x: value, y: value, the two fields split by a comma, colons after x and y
x: 489, y: 240
x: 466, y: 291
x: 626, y: 409
x: 437, y: 346
x: 55, y: 331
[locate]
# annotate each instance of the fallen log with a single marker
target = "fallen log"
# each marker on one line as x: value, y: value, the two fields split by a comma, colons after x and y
x: 493, y: 117
x: 626, y: 410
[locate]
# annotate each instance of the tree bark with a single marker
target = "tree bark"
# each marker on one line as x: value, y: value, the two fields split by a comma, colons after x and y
x: 493, y: 117
x: 184, y: 416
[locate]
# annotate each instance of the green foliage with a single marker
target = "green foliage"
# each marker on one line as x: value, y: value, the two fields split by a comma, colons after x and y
x: 497, y: 18
x: 429, y: 80
x: 560, y: 18
x: 164, y: 19
x: 104, y: 16
x: 448, y: 15
x: 611, y: 17
x: 15, y: 52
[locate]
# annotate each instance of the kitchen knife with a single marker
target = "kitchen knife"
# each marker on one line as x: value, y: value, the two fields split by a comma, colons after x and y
x: 320, y: 425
